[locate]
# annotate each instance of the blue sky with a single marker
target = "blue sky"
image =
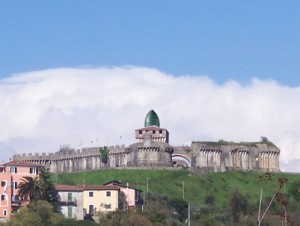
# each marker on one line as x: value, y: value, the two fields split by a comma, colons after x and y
x: 221, y: 39
x: 73, y: 72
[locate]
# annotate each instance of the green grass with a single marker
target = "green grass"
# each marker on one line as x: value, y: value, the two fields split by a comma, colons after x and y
x: 196, y: 187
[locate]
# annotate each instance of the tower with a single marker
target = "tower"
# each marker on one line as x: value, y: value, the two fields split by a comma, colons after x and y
x: 152, y: 147
x: 152, y: 127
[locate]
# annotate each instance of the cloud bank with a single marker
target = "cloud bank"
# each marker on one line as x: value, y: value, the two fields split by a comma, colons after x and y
x: 83, y: 107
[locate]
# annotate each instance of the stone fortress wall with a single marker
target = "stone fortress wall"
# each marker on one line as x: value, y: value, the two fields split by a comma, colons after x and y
x: 244, y: 156
x: 149, y: 152
x: 204, y: 157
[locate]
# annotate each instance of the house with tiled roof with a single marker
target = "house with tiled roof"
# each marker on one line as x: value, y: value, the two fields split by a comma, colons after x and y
x: 77, y: 201
x: 71, y: 200
x: 100, y: 198
x: 133, y: 196
x: 11, y: 174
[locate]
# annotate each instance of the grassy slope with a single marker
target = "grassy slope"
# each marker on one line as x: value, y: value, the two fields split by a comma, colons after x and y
x: 170, y: 182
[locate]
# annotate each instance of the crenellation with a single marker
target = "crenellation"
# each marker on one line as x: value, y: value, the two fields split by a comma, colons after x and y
x: 152, y: 149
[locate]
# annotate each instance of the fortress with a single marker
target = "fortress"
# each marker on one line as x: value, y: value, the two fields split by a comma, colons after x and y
x: 152, y: 150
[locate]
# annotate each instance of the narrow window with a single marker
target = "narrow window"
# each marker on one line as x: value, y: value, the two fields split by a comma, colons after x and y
x: 13, y: 169
x: 4, y: 212
x: 3, y: 197
x: 91, y: 194
x: 15, y: 185
x: 108, y: 193
x: 160, y: 131
x: 70, y: 196
x: 3, y: 183
x: 32, y: 170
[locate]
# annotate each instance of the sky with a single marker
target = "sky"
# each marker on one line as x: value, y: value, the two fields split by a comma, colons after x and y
x: 83, y: 73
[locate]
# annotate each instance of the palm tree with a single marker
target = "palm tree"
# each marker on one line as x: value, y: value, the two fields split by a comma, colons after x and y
x: 30, y: 188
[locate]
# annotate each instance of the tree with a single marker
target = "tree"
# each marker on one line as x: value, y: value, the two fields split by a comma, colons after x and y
x: 48, y: 188
x: 37, y: 213
x: 122, y: 201
x: 180, y: 207
x: 239, y: 205
x: 135, y: 219
x: 39, y: 188
x: 30, y: 189
x: 295, y: 190
x: 104, y: 154
x: 73, y: 222
x: 210, y: 200
x: 283, y: 201
x: 267, y: 177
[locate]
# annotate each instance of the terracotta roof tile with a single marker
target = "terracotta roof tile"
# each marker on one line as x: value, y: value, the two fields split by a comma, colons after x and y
x: 101, y: 187
x: 66, y: 187
x: 117, y: 183
x: 20, y: 163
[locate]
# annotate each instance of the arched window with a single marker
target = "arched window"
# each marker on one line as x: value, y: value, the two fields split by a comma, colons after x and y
x: 4, y: 212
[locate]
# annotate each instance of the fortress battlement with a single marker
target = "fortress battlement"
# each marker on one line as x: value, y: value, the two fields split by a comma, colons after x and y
x: 152, y: 149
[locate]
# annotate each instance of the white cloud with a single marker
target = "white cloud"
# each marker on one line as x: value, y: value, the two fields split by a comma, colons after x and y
x: 43, y: 109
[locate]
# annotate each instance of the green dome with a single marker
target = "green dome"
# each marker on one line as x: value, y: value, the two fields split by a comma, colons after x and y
x: 151, y: 119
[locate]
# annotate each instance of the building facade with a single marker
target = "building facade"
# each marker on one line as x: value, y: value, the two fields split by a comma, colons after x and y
x: 152, y: 149
x: 132, y: 196
x: 100, y: 198
x: 71, y: 200
x: 11, y: 174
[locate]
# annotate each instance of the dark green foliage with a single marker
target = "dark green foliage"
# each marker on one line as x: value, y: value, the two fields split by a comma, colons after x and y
x: 39, y: 188
x: 130, y: 218
x: 49, y: 192
x: 30, y: 189
x: 104, y: 154
x: 156, y: 210
x: 72, y: 222
x: 38, y: 213
x: 239, y: 205
x: 159, y: 211
x: 294, y: 190
x: 180, y: 207
x: 210, y: 200
x: 122, y: 201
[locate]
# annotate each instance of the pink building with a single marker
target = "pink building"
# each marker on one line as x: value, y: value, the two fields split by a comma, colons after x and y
x: 11, y: 174
x: 133, y: 196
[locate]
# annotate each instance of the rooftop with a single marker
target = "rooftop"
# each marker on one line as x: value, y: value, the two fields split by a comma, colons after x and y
x: 20, y: 163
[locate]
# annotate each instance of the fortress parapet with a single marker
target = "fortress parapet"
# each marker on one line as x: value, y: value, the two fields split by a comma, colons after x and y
x: 246, y: 156
x: 152, y: 149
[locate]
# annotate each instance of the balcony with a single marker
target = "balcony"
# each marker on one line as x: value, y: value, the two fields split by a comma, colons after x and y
x: 16, y: 202
x: 68, y: 202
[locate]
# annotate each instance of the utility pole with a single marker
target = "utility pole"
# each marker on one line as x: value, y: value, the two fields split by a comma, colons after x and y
x: 189, y: 214
x: 147, y: 185
x: 144, y: 201
x: 182, y: 189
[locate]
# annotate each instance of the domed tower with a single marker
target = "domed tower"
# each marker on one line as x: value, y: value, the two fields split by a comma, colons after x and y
x: 151, y: 119
x: 152, y: 147
x: 152, y: 126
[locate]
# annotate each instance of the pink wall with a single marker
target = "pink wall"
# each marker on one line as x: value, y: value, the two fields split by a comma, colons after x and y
x: 130, y: 195
x: 9, y: 178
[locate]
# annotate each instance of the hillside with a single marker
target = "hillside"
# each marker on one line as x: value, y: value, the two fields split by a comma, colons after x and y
x: 170, y: 183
